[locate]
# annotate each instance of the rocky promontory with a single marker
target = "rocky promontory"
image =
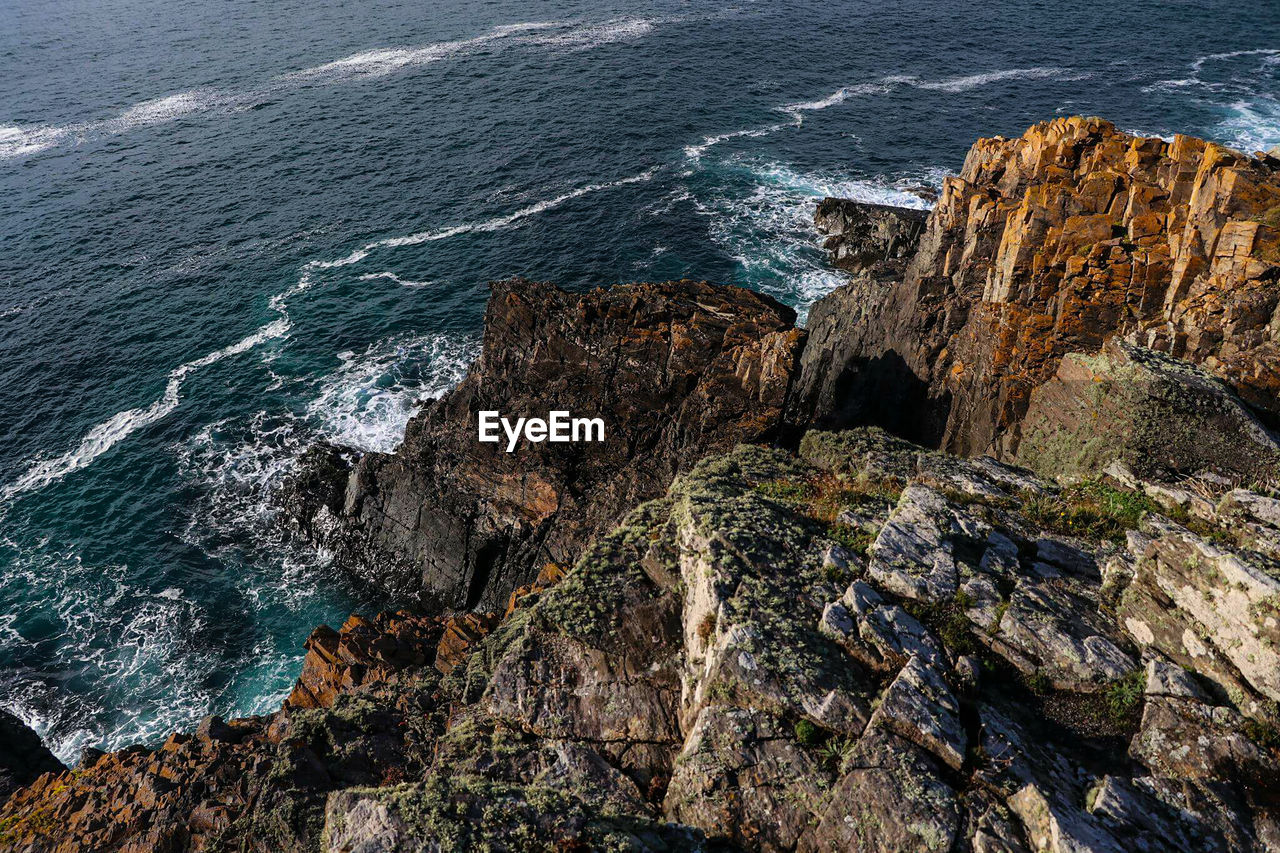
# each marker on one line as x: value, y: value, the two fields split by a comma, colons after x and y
x: 986, y: 561
x: 1049, y: 244
x: 678, y: 370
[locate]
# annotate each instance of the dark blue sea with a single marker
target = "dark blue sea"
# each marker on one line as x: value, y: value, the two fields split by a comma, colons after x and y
x: 228, y: 229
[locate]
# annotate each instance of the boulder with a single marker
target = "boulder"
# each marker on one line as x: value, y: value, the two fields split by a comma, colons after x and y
x: 1161, y: 417
x: 23, y: 757
x: 862, y: 235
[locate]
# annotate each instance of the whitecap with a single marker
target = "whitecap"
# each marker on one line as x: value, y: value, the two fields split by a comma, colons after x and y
x: 368, y: 401
x: 495, y: 224
x: 111, y: 432
x: 166, y: 109
x: 695, y: 152
x: 1199, y: 63
x: 975, y: 81
x: 120, y: 426
x: 393, y: 278
x: 839, y: 96
x: 18, y: 141
x: 595, y: 35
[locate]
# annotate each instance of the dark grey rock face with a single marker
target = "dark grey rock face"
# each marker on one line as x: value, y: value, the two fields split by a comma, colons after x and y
x: 675, y: 370
x: 861, y: 235
x: 22, y: 756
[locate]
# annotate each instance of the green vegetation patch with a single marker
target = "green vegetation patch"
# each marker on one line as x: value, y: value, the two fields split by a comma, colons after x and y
x: 1090, y: 510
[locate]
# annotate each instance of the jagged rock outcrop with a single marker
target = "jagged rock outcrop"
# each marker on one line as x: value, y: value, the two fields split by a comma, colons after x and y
x: 862, y: 235
x: 23, y: 758
x: 676, y: 370
x: 863, y: 644
x: 1049, y: 244
x: 867, y: 645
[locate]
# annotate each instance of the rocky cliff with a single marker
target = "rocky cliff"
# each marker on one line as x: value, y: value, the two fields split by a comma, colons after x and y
x: 862, y: 646
x: 1052, y: 244
x: 678, y: 369
x: 726, y: 629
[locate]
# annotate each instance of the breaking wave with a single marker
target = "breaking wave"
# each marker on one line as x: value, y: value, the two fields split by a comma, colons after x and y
x: 20, y: 141
x: 120, y: 426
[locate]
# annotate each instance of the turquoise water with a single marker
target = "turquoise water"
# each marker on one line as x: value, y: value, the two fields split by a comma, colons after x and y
x: 230, y: 228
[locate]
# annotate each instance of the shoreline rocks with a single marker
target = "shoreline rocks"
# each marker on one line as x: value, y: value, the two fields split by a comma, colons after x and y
x: 1048, y: 244
x: 679, y: 369
x: 776, y: 637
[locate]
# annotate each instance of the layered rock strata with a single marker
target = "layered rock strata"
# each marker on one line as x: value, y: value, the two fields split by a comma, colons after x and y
x: 1049, y: 244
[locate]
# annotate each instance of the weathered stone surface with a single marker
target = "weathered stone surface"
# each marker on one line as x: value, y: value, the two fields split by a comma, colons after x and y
x: 1048, y: 244
x: 677, y: 370
x: 722, y: 672
x: 862, y: 235
x: 363, y: 650
x: 915, y: 554
x: 1047, y: 631
x: 741, y: 776
x: 1209, y: 608
x: 890, y: 797
x: 1160, y: 416
x: 880, y: 635
x: 919, y: 706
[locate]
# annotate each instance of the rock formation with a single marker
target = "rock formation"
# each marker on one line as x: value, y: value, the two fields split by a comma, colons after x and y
x: 1049, y: 244
x: 23, y: 758
x: 680, y: 369
x: 774, y: 637
x: 866, y: 645
x: 1155, y: 414
x: 860, y: 236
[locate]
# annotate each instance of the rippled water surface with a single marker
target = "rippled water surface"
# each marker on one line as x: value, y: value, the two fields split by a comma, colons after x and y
x: 230, y: 228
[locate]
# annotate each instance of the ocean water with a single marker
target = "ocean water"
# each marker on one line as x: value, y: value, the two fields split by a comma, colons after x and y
x: 228, y: 229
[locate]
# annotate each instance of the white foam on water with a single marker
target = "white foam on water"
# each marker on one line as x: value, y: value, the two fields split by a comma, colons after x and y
x: 1199, y: 63
x: 1253, y: 125
x: 126, y: 642
x: 963, y: 83
x: 769, y: 230
x: 166, y: 109
x: 367, y: 402
x: 16, y: 141
x: 20, y: 141
x: 395, y: 279
x: 986, y: 78
x: 595, y: 35
x: 839, y: 96
x: 695, y: 152
x: 120, y: 426
x: 1239, y: 88
x: 497, y: 223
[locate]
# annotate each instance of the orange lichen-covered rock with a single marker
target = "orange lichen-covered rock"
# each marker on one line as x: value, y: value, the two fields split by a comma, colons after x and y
x: 1050, y: 243
x: 363, y: 650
